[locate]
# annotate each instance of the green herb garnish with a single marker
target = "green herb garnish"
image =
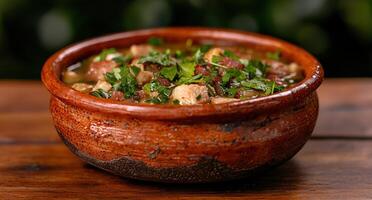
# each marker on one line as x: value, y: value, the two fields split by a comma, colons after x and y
x: 122, y: 80
x: 101, y: 94
x: 154, y: 41
x: 163, y: 93
x: 265, y: 85
x: 104, y: 53
x: 273, y: 55
x: 169, y: 72
x: 163, y: 59
x: 120, y: 60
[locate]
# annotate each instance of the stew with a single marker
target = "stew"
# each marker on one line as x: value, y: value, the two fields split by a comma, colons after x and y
x: 182, y: 73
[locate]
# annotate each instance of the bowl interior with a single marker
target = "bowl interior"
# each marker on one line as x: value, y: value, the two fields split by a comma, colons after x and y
x: 74, y: 53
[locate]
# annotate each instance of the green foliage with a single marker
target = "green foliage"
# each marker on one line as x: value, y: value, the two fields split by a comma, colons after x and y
x: 273, y: 55
x: 158, y: 58
x: 101, y: 94
x: 163, y: 92
x: 154, y: 41
x: 265, y: 85
x: 122, y: 80
x: 104, y: 53
x: 169, y: 72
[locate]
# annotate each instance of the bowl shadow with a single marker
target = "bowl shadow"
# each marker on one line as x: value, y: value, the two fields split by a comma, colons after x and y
x: 287, y: 176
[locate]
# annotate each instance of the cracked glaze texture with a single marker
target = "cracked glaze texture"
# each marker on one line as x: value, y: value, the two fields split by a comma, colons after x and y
x: 184, y: 144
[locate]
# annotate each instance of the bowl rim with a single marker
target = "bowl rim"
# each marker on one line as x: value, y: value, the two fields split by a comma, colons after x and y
x: 51, y: 77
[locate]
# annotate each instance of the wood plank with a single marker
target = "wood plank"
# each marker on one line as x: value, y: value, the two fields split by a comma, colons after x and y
x: 27, y: 127
x: 324, y: 169
x: 345, y: 108
x: 23, y: 96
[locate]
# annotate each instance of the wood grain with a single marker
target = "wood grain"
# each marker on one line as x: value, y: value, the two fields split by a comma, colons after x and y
x: 345, y: 108
x: 322, y: 170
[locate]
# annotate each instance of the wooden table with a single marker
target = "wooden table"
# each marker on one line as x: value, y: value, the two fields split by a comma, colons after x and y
x: 335, y: 164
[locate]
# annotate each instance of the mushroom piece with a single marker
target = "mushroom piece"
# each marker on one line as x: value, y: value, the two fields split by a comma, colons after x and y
x: 248, y: 94
x: 82, y: 87
x: 117, y: 95
x: 144, y: 77
x: 101, y: 84
x: 70, y: 77
x: 190, y: 94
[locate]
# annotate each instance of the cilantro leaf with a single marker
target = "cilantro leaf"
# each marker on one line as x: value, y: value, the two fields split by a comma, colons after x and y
x: 163, y: 92
x: 233, y: 73
x: 104, y: 53
x: 265, y: 85
x: 122, y: 80
x: 154, y: 41
x: 169, y: 72
x: 135, y: 70
x: 255, y: 68
x: 187, y: 69
x: 188, y: 80
x: 273, y: 55
x: 101, y: 94
x: 163, y: 59
x: 199, y: 54
x: 120, y: 60
x: 128, y: 83
x: 231, y: 92
x: 230, y: 54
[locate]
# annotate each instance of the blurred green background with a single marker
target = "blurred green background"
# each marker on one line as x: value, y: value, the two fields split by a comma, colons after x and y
x: 338, y: 32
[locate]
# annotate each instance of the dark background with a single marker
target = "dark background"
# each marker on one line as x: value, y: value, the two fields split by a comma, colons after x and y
x: 338, y: 32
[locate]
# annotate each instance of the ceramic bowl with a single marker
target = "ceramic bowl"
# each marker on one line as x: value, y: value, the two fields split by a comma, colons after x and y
x: 184, y: 144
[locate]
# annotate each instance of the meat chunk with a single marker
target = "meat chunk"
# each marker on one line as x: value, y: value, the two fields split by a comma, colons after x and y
x: 101, y: 84
x: 71, y: 77
x: 212, y: 52
x: 190, y: 94
x: 277, y: 69
x: 217, y: 100
x: 203, y: 70
x: 144, y: 77
x: 97, y: 70
x: 231, y: 63
x: 82, y: 87
x: 117, y: 95
x: 140, y: 50
x: 164, y: 81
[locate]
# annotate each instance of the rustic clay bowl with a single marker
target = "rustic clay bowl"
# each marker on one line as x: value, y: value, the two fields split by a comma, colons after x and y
x: 184, y: 144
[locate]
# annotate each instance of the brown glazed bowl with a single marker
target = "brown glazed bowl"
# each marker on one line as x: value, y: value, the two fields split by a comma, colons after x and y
x: 184, y: 144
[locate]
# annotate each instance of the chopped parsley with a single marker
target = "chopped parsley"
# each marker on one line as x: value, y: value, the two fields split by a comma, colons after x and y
x: 123, y: 80
x: 156, y: 57
x: 273, y: 55
x: 154, y: 41
x: 104, y: 53
x: 101, y: 94
x: 169, y: 72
